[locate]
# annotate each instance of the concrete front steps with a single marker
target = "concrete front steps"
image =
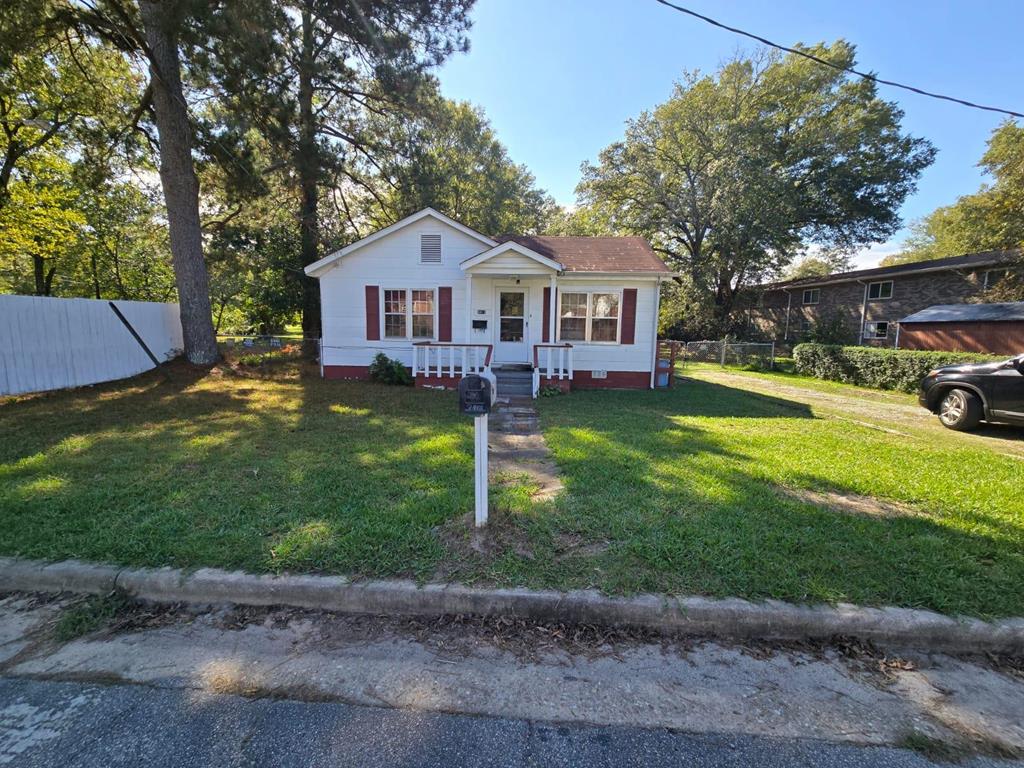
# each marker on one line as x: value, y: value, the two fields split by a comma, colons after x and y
x: 514, y: 382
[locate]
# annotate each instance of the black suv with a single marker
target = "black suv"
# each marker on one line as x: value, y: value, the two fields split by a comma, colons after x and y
x: 963, y: 395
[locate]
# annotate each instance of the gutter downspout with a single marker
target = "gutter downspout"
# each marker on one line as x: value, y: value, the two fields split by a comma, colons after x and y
x: 897, y: 336
x: 789, y: 307
x: 654, y: 335
x: 863, y: 314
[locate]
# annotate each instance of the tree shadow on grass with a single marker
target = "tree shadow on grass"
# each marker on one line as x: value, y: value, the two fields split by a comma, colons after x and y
x: 288, y: 472
x: 688, y: 493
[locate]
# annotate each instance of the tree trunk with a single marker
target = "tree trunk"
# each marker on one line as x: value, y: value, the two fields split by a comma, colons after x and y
x: 179, y: 182
x: 308, y: 166
x: 39, y: 273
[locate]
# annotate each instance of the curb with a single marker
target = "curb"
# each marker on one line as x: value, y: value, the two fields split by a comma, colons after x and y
x: 730, y: 617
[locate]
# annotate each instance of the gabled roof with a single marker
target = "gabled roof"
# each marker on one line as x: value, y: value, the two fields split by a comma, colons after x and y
x: 318, y: 267
x: 595, y: 254
x: 973, y: 313
x: 967, y: 261
x: 511, y: 246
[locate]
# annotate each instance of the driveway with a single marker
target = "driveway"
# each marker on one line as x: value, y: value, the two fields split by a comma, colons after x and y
x: 892, y: 412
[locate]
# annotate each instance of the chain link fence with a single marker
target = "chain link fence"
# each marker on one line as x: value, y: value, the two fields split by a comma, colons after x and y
x: 745, y: 354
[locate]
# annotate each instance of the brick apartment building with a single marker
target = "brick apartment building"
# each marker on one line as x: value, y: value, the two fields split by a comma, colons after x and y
x: 870, y: 302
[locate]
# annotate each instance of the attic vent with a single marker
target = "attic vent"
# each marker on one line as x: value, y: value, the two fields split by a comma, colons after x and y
x: 430, y: 249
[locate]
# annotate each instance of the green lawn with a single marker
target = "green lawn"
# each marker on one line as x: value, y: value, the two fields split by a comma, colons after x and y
x: 699, y: 489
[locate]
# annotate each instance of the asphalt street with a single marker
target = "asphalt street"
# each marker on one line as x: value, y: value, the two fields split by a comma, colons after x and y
x: 103, y: 726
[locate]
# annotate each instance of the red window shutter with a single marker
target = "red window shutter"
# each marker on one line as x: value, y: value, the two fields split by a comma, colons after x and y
x: 444, y: 313
x: 547, y: 315
x: 373, y: 313
x: 628, y: 315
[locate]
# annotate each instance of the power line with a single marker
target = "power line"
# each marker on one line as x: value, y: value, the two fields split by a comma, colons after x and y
x: 812, y: 57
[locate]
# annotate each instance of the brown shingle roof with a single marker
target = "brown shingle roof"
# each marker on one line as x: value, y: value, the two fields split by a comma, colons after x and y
x: 967, y: 261
x: 594, y: 254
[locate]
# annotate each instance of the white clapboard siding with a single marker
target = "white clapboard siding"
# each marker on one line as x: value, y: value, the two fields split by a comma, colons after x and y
x: 48, y: 343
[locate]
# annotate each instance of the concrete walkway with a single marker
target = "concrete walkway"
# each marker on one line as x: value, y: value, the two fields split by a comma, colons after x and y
x: 518, y: 450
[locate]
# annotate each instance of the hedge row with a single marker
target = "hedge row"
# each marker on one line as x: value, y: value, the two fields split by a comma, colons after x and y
x: 900, y: 369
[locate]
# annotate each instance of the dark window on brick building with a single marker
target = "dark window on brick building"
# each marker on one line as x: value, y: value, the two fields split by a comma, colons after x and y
x: 882, y: 290
x: 812, y: 295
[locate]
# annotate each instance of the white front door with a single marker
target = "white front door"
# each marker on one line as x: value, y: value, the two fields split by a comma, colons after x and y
x: 511, y: 344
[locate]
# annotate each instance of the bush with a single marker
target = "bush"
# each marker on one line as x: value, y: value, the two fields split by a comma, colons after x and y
x: 899, y: 369
x: 388, y: 371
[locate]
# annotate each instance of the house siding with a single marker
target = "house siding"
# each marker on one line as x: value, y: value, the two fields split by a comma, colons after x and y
x: 766, y: 315
x: 393, y: 262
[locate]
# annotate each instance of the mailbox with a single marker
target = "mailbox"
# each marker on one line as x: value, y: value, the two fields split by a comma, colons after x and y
x: 476, y: 393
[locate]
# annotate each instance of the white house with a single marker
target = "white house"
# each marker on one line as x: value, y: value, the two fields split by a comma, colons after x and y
x: 446, y: 300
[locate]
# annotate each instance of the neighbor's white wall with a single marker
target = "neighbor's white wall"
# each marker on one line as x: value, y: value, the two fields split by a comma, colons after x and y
x: 391, y: 262
x: 48, y: 343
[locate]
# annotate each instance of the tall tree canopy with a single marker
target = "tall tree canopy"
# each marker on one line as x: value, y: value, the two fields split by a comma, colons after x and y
x: 449, y: 158
x: 991, y: 218
x: 312, y: 86
x: 739, y: 171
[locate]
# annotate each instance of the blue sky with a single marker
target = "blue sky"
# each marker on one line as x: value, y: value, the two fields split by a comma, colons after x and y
x: 559, y: 78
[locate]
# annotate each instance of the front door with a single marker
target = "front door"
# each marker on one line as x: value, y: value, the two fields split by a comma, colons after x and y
x: 510, y: 345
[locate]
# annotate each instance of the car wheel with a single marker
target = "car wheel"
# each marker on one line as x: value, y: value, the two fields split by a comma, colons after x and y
x: 960, y: 410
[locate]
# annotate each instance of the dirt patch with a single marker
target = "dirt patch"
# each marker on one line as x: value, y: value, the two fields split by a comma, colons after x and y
x: 850, y: 503
x: 468, y: 545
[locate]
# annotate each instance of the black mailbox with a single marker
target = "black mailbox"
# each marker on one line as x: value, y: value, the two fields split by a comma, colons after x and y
x: 475, y: 395
x: 479, y: 325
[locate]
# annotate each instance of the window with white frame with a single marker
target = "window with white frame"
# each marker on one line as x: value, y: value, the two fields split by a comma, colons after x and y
x: 430, y: 249
x: 408, y: 313
x: 812, y: 295
x: 589, y: 316
x: 395, y: 311
x: 880, y: 290
x: 876, y: 330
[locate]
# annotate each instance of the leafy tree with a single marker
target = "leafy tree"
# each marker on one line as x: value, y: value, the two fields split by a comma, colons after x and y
x: 990, y: 219
x: 332, y: 64
x: 738, y: 172
x: 450, y: 159
x: 57, y: 88
x: 818, y: 265
x: 40, y: 224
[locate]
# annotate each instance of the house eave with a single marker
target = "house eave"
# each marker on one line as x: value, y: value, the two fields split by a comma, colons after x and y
x: 318, y: 268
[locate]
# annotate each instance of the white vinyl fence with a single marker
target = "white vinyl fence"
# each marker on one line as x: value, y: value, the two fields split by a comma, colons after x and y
x: 48, y: 343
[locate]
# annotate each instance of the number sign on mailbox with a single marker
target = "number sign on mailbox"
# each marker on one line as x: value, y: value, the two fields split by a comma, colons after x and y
x: 475, y: 396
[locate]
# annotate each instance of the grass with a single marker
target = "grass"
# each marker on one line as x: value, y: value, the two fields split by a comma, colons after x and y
x: 805, y: 382
x: 703, y: 488
x: 89, y: 615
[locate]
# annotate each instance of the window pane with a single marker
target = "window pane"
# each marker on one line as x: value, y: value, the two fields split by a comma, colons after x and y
x: 423, y: 302
x: 603, y: 330
x: 573, y: 328
x: 511, y: 304
x: 394, y: 301
x: 423, y: 326
x: 606, y: 305
x: 574, y: 305
x: 511, y: 329
x: 886, y: 291
x: 394, y: 326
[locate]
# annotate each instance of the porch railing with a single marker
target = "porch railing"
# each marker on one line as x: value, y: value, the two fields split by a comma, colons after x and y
x: 437, y: 359
x: 551, y: 362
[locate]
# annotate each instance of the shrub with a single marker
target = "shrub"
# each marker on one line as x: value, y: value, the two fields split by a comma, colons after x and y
x: 900, y: 369
x: 388, y: 371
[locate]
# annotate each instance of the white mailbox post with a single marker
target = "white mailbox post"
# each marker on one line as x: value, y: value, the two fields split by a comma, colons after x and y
x: 476, y: 396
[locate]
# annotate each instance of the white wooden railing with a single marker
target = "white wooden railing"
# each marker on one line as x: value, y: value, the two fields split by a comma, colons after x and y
x: 437, y: 359
x: 551, y: 362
